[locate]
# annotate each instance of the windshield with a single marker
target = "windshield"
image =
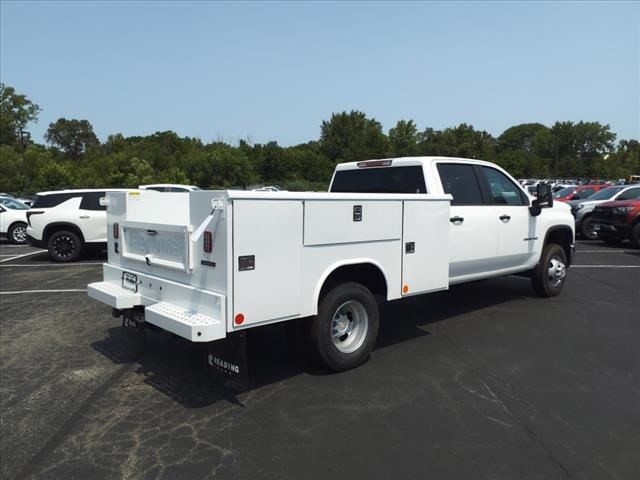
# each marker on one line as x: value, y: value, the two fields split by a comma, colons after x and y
x: 564, y: 192
x: 605, y: 194
x: 13, y: 204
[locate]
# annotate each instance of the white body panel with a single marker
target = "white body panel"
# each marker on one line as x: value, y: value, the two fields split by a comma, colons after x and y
x: 10, y: 216
x: 473, y: 242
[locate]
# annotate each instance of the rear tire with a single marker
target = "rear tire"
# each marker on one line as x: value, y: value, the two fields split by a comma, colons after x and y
x: 550, y: 273
x: 346, y: 328
x: 586, y: 229
x: 635, y: 236
x: 65, y: 246
x: 18, y: 233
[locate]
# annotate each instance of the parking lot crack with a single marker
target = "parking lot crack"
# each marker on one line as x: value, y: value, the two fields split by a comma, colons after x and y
x: 59, y: 436
x: 492, y: 395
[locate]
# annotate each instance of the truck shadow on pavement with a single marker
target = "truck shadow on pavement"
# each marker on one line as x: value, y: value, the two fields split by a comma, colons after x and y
x: 178, y: 368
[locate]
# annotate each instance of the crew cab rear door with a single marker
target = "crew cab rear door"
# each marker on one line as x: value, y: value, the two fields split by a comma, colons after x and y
x: 473, y: 231
x: 92, y: 217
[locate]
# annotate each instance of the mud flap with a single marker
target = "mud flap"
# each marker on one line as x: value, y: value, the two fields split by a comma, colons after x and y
x: 228, y: 359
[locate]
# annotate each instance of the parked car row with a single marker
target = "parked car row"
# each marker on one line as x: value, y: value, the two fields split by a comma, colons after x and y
x: 69, y: 222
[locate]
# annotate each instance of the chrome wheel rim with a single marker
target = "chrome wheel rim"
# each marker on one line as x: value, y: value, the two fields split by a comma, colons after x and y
x: 349, y: 326
x: 64, y: 246
x: 20, y: 234
x: 556, y: 271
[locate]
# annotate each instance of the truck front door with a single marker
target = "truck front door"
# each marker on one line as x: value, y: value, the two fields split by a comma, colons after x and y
x: 516, y: 226
x: 473, y: 231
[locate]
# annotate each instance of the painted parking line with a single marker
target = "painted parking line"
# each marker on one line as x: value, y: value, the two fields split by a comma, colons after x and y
x: 605, y: 266
x: 50, y: 264
x: 606, y: 251
x: 20, y: 256
x: 17, y: 292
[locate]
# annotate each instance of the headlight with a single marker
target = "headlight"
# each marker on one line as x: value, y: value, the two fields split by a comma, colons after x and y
x: 579, y: 207
x: 622, y: 209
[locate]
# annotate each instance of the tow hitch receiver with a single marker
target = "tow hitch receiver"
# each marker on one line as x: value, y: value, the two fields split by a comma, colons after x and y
x: 131, y: 317
x: 228, y: 359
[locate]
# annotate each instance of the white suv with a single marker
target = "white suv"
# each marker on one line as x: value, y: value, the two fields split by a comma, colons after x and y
x: 68, y: 222
x: 13, y: 219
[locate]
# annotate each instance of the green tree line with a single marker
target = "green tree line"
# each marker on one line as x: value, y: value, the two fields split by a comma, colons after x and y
x: 74, y: 157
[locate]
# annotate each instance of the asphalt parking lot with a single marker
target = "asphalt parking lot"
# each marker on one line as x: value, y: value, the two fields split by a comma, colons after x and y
x: 485, y: 381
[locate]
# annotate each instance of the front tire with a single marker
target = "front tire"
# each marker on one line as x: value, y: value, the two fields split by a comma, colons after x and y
x: 346, y: 327
x: 550, y: 273
x: 65, y: 246
x: 18, y: 233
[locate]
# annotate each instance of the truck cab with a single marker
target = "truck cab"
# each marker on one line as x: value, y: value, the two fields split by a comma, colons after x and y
x: 495, y: 228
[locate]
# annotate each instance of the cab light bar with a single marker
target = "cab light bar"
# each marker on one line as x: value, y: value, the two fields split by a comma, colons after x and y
x: 374, y: 163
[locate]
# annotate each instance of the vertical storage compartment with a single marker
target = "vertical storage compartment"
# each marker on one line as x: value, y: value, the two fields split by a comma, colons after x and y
x: 267, y: 259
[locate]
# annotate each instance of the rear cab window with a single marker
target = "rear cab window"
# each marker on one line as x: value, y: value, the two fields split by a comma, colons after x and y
x: 407, y: 179
x: 460, y: 180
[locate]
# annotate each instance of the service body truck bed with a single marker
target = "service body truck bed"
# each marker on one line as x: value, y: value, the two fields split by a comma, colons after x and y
x: 207, y: 264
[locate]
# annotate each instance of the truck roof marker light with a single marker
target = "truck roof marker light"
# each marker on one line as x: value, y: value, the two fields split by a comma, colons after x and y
x: 239, y: 319
x: 405, y: 289
x: 375, y: 163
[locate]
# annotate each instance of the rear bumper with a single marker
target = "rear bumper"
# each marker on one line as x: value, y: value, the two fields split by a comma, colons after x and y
x: 192, y: 313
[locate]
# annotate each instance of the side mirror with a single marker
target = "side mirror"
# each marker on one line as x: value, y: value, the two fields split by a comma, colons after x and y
x: 544, y: 199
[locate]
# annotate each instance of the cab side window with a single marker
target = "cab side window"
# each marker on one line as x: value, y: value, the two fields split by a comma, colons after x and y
x: 91, y: 201
x: 630, y: 194
x: 502, y: 190
x: 582, y: 194
x: 461, y: 182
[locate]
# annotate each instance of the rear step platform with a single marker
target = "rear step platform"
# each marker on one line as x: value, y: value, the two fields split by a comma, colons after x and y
x: 187, y: 324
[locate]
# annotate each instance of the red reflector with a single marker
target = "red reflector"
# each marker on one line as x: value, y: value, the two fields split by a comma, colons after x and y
x: 375, y: 163
x: 239, y: 318
x: 207, y: 242
x: 116, y: 230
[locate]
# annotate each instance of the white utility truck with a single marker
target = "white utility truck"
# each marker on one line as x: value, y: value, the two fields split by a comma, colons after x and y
x: 208, y: 264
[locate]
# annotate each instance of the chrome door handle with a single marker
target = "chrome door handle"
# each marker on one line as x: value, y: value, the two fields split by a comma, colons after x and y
x: 505, y: 218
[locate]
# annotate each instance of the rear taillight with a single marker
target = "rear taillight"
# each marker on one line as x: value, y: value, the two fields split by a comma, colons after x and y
x: 116, y: 230
x: 207, y: 242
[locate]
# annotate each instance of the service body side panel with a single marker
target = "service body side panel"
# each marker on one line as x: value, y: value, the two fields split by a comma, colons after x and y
x: 347, y: 221
x: 270, y: 231
x: 425, y: 259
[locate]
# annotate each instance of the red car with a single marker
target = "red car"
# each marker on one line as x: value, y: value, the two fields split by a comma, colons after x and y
x: 577, y: 192
x: 618, y: 220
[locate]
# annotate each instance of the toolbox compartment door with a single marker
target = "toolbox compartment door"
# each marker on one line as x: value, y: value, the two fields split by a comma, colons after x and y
x: 425, y: 247
x: 351, y: 221
x: 267, y: 260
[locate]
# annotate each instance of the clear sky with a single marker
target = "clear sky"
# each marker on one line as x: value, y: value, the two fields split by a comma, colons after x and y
x: 274, y: 71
